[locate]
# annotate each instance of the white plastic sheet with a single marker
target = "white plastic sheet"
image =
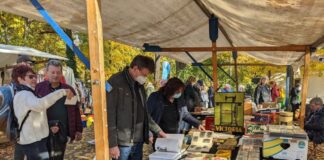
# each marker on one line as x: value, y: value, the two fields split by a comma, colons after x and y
x: 181, y: 23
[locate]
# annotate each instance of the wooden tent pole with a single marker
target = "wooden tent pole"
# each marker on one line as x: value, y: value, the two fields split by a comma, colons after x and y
x: 304, y: 87
x: 98, y: 78
x: 214, y: 63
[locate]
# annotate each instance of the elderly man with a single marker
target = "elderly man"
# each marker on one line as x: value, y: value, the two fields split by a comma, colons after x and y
x: 314, y: 125
x: 64, y: 118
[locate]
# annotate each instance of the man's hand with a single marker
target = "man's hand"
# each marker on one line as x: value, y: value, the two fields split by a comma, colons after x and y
x: 55, y: 129
x: 78, y: 136
x: 69, y: 93
x: 201, y: 128
x: 162, y: 134
x: 114, y: 152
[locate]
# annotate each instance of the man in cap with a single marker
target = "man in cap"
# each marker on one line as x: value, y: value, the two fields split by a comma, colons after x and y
x: 26, y: 60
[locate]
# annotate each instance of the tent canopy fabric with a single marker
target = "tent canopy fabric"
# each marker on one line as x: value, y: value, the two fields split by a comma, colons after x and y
x: 175, y: 23
x: 9, y: 54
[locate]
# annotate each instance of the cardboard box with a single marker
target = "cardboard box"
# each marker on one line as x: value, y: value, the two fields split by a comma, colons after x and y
x: 269, y: 105
x: 285, y: 148
x: 247, y: 108
x: 226, y: 154
x: 229, y: 112
x: 254, y: 129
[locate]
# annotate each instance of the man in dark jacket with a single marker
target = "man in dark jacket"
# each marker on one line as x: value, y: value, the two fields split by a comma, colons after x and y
x: 128, y: 119
x: 192, y: 94
x: 314, y: 125
x: 64, y: 120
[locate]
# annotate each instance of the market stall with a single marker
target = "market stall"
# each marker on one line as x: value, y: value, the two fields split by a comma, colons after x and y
x: 169, y: 24
x: 267, y: 134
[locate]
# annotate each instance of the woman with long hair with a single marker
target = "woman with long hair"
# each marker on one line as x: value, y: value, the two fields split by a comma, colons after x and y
x: 167, y: 107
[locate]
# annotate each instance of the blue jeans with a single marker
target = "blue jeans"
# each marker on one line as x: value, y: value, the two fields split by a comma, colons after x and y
x: 134, y: 152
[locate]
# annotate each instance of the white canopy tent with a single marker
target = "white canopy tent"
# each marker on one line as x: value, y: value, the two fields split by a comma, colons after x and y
x: 9, y: 54
x: 174, y: 23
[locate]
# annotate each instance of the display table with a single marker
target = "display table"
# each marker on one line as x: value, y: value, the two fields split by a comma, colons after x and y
x: 223, y: 145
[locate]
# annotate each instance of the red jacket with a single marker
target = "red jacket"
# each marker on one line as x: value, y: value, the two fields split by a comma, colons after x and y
x: 275, y: 93
x: 74, y: 117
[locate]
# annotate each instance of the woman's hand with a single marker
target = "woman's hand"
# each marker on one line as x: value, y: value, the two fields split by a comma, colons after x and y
x: 201, y: 128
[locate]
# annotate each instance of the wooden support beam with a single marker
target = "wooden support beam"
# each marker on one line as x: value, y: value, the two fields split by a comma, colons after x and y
x: 214, y: 62
x: 296, y: 48
x: 98, y: 78
x: 304, y: 87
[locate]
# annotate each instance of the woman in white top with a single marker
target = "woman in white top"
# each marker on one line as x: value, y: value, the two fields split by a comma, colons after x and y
x: 35, y: 130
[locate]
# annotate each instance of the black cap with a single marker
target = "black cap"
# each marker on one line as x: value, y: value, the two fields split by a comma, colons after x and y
x: 24, y: 58
x: 200, y: 82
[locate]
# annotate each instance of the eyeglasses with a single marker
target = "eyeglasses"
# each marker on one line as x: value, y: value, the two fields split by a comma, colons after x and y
x: 31, y: 76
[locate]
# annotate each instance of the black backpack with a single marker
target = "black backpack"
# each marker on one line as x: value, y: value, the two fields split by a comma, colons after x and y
x: 8, y: 121
x: 13, y: 128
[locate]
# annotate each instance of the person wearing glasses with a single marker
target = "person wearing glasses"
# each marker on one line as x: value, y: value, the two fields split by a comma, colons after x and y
x: 167, y: 107
x: 30, y: 112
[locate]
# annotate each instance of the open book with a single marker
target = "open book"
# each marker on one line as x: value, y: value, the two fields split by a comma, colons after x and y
x: 201, y: 141
x: 72, y: 101
x: 168, y: 148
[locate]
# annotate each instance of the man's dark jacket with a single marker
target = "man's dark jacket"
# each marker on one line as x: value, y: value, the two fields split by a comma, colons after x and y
x: 192, y: 97
x: 314, y: 126
x: 74, y: 118
x: 122, y: 111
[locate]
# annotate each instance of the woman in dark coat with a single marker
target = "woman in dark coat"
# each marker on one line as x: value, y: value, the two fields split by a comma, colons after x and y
x: 167, y: 107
